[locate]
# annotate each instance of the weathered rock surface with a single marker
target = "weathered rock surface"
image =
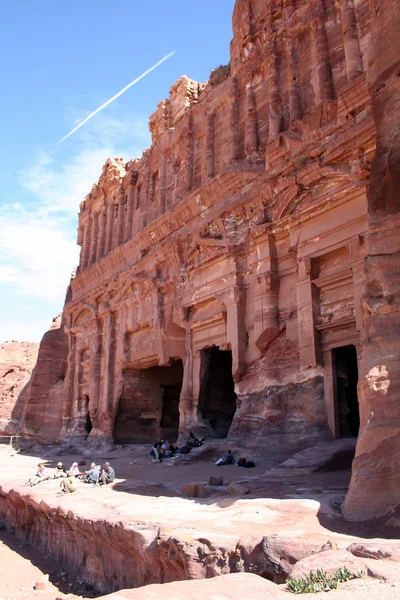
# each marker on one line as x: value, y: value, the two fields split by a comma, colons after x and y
x: 227, y: 587
x: 143, y: 539
x: 388, y: 551
x: 17, y: 360
x: 375, y: 483
x: 43, y: 409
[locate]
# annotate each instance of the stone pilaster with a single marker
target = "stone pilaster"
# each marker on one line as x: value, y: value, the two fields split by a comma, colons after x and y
x: 101, y: 233
x: 294, y: 91
x: 250, y: 139
x: 189, y: 155
x: 322, y: 58
x: 275, y: 113
x: 210, y: 141
x: 234, y: 120
x: 266, y: 322
x: 308, y: 340
x: 120, y: 220
x: 352, y: 51
x: 93, y: 241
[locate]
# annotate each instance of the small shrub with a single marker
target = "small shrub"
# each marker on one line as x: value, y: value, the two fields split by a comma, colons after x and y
x: 219, y: 74
x: 320, y: 581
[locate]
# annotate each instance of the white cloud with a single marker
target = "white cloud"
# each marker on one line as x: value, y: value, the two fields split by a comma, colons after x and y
x: 38, y: 240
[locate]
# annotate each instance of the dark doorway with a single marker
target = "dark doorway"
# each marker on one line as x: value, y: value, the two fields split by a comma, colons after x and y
x: 346, y: 373
x: 88, y: 423
x: 217, y: 400
x: 171, y: 393
x: 148, y: 408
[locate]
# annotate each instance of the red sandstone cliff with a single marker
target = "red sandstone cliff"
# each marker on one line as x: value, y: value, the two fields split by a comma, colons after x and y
x: 17, y: 360
x: 43, y: 409
x: 375, y: 484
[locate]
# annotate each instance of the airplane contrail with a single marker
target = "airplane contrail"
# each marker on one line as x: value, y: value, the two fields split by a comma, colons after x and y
x: 118, y: 95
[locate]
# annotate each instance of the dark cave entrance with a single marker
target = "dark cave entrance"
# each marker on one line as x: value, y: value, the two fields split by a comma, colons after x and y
x: 148, y: 408
x: 217, y: 399
x: 88, y: 421
x: 346, y: 378
x: 171, y: 393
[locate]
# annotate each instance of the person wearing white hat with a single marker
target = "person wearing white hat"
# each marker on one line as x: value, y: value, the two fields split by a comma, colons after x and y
x: 59, y: 471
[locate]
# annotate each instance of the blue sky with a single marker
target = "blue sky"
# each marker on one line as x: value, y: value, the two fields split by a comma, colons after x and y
x: 60, y: 61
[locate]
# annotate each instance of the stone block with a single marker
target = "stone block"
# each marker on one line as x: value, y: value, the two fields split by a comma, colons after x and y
x: 43, y: 584
x: 216, y: 480
x: 236, y: 489
x: 192, y: 490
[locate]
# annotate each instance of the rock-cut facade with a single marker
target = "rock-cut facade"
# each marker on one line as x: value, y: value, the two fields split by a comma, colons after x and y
x: 222, y: 286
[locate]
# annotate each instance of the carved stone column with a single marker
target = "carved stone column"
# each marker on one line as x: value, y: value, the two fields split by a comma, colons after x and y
x: 114, y: 225
x: 86, y: 244
x: 352, y: 51
x: 210, y: 159
x: 95, y: 366
x: 186, y: 399
x: 250, y: 136
x: 294, y: 92
x: 308, y: 342
x: 120, y: 218
x: 234, y: 120
x: 324, y: 72
x: 101, y: 233
x: 275, y: 114
x: 189, y: 154
x: 93, y: 241
x: 69, y: 384
x: 266, y: 321
x: 162, y: 192
x: 109, y: 226
x: 103, y: 418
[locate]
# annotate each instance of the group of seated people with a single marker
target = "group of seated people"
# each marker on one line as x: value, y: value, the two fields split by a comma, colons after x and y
x: 95, y: 475
x: 229, y: 460
x: 165, y: 449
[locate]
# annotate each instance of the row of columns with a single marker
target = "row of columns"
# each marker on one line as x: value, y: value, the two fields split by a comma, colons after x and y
x: 101, y: 385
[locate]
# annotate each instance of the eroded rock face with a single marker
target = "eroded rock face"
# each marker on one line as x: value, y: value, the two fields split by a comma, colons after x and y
x: 17, y: 360
x: 375, y: 482
x: 43, y: 410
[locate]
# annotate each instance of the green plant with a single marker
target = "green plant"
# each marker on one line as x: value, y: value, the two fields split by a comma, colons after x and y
x: 219, y: 74
x: 320, y: 581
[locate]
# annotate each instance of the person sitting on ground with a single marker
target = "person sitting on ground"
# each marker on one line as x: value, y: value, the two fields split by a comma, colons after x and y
x: 59, y: 471
x: 42, y: 474
x: 247, y: 464
x: 157, y: 452
x: 194, y: 442
x: 74, y: 469
x: 68, y: 485
x: 228, y: 460
x: 92, y: 476
x: 107, y: 474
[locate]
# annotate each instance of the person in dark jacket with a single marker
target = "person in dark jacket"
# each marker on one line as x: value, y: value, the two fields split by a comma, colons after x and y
x: 107, y: 474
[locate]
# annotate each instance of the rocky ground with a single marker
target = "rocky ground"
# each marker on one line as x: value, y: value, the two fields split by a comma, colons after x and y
x: 142, y: 531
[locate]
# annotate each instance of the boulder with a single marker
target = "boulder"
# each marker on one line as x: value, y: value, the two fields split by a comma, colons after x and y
x: 216, y: 480
x: 236, y: 489
x: 378, y: 551
x: 235, y: 586
x: 192, y: 490
x: 329, y: 561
